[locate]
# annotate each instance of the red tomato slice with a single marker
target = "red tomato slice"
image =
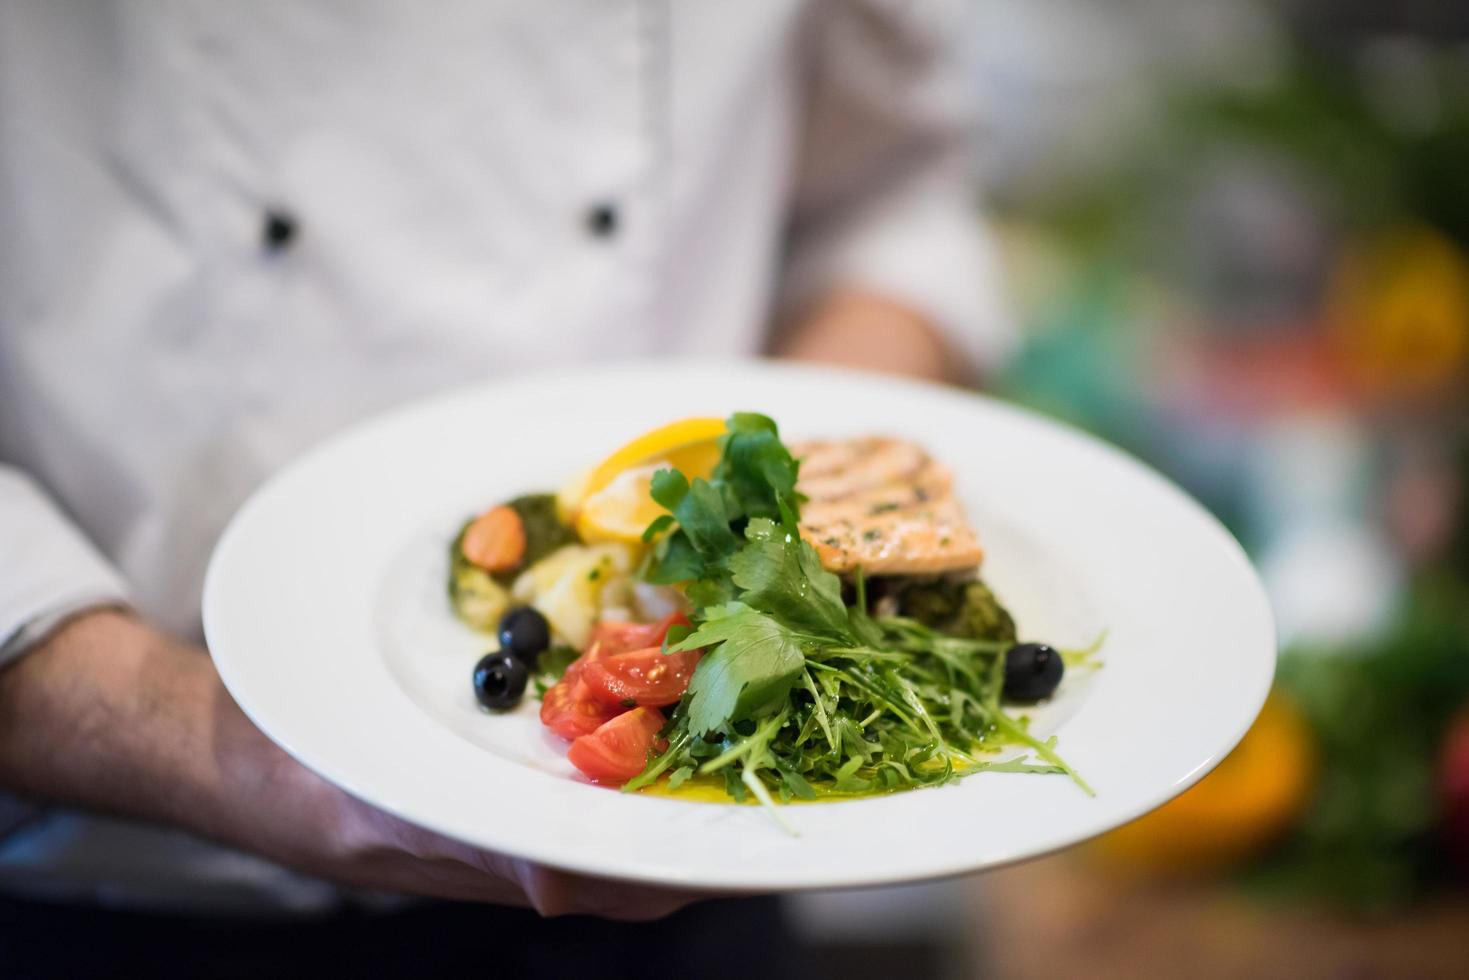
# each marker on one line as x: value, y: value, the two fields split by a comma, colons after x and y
x: 644, y: 677
x: 618, y: 750
x: 570, y: 710
x: 612, y: 636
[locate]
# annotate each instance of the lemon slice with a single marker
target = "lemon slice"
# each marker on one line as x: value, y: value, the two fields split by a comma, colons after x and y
x: 611, y: 502
x: 571, y: 495
x: 621, y: 510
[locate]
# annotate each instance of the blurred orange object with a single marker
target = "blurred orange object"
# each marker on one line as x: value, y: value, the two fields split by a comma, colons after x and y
x: 1234, y: 812
x: 1399, y: 309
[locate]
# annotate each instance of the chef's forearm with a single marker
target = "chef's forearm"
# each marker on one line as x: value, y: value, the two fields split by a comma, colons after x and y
x: 112, y: 716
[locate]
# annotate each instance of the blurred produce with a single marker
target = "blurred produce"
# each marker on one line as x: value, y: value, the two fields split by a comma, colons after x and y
x: 1399, y: 310
x: 1252, y: 270
x: 1453, y: 786
x: 1382, y: 713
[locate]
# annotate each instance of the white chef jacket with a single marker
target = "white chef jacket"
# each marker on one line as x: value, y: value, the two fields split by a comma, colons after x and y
x: 227, y: 230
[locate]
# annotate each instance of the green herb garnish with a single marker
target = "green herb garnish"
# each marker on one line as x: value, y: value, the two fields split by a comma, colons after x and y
x: 799, y: 694
x: 551, y: 664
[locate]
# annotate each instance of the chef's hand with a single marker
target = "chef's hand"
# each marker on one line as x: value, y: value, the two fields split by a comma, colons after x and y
x: 113, y: 716
x: 854, y: 328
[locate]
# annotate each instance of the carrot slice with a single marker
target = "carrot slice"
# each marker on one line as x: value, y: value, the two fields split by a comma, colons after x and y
x: 496, y: 540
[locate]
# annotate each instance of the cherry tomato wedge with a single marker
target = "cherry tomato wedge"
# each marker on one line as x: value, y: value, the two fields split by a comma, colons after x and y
x: 618, y: 750
x: 612, y: 636
x: 570, y: 710
x: 643, y: 677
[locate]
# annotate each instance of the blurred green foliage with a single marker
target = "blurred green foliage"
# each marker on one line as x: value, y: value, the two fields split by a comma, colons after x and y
x: 1379, y: 707
x: 1322, y: 114
x: 1379, y: 713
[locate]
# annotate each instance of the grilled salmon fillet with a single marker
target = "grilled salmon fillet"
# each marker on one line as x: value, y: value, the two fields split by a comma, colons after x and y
x: 884, y: 505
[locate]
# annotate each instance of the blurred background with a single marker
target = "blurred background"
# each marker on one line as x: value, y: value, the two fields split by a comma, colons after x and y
x: 1236, y: 236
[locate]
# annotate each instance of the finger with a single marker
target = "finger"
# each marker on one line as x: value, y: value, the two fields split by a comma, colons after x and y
x: 552, y: 892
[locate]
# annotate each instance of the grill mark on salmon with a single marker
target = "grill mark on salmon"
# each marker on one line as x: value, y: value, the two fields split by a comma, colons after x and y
x: 882, y: 504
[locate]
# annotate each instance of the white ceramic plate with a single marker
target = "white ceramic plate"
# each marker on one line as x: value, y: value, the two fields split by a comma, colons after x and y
x: 325, y: 611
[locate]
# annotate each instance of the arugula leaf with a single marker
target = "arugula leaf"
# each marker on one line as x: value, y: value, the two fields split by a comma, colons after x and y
x: 754, y: 661
x: 1019, y: 764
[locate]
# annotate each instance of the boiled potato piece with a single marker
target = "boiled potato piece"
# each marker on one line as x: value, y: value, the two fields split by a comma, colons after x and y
x: 568, y: 586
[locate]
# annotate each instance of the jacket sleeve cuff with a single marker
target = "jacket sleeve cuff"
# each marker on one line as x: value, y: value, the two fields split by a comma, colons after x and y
x: 48, y: 570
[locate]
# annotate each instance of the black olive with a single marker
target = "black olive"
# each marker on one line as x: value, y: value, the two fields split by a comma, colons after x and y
x: 1032, y: 671
x: 499, y: 681
x: 524, y: 633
